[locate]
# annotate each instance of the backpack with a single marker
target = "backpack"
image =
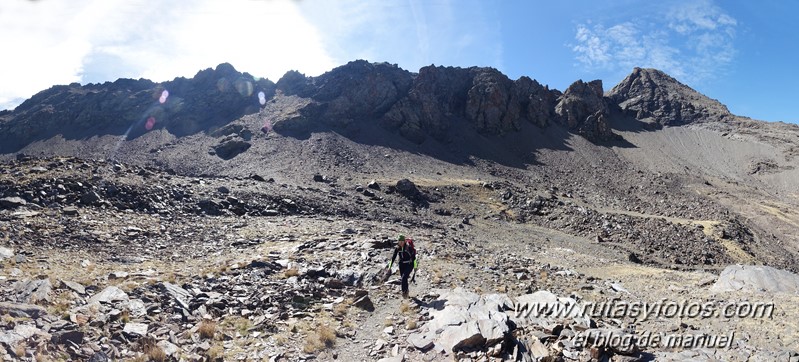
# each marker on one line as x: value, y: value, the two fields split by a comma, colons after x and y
x: 409, y: 244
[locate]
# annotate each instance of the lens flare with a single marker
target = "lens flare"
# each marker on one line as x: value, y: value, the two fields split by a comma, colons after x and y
x: 150, y: 122
x: 262, y: 97
x: 222, y: 84
x: 244, y: 87
x: 164, y: 96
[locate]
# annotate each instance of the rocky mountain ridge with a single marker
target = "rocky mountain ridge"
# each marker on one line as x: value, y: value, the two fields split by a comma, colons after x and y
x: 418, y: 106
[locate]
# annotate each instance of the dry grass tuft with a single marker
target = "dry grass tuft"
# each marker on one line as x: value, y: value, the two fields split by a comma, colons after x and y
x: 207, y: 329
x: 19, y: 350
x: 280, y: 339
x: 406, y: 307
x: 156, y: 354
x: 341, y: 309
x: 215, y: 353
x: 241, y: 325
x: 291, y: 272
x: 411, y: 325
x: 125, y: 316
x: 323, y: 337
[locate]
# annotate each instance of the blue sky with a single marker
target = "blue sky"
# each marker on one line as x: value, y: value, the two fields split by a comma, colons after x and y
x: 742, y: 53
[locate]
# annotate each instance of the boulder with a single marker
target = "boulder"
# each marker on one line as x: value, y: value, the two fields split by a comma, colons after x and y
x: 364, y: 302
x: 33, y: 291
x: 407, y: 188
x: 460, y: 337
x: 180, y: 295
x: 6, y: 253
x: 11, y: 338
x: 135, y: 329
x: 22, y: 310
x: 136, y: 308
x: 756, y: 278
x: 230, y: 148
x: 109, y: 295
x: 422, y: 340
x: 448, y: 316
x: 492, y: 331
x: 373, y: 185
x: 76, y: 287
x: 168, y: 348
x: 12, y: 202
x: 68, y: 337
x: 90, y: 198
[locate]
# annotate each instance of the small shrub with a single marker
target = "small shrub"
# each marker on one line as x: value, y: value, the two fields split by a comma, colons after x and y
x: 340, y: 310
x: 19, y: 350
x: 406, y: 308
x: 323, y: 337
x: 291, y: 272
x: 156, y: 354
x: 207, y: 329
x: 215, y: 353
x: 280, y: 339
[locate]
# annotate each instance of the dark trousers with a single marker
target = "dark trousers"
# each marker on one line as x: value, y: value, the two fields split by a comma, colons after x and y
x: 405, y: 273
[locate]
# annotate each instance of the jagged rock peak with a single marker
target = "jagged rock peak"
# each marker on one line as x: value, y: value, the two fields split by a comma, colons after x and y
x: 652, y: 94
x: 582, y: 108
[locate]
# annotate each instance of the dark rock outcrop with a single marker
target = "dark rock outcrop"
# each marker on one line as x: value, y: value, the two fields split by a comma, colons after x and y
x: 436, y: 100
x: 355, y: 91
x: 213, y: 98
x: 650, y: 93
x: 482, y: 98
x: 583, y: 109
x: 492, y: 105
x: 230, y: 148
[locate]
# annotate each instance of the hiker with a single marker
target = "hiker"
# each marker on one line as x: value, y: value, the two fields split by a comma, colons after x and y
x: 407, y: 261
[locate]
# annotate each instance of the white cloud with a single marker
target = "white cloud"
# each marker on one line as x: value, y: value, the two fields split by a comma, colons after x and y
x: 700, y: 15
x: 693, y: 42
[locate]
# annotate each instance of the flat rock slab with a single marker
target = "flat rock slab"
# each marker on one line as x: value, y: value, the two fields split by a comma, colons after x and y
x: 12, y: 202
x: 21, y: 310
x: 76, y: 287
x: 135, y: 329
x: 458, y: 338
x: 756, y: 278
x: 492, y: 331
x: 180, y: 295
x: 6, y: 253
x: 168, y: 348
x: 423, y: 341
x: 109, y: 295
